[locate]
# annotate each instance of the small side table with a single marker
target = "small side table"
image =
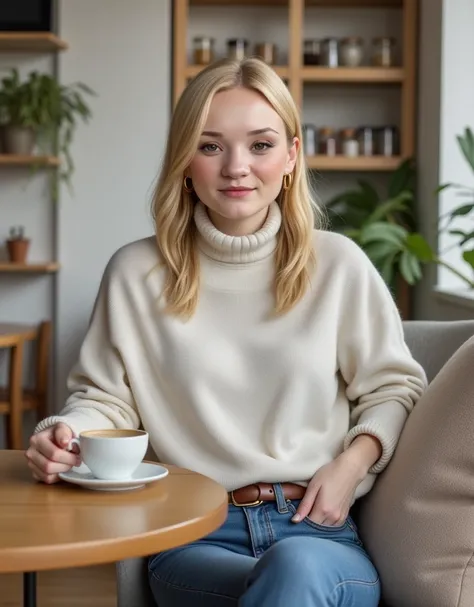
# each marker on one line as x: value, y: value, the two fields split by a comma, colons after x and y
x: 59, y: 526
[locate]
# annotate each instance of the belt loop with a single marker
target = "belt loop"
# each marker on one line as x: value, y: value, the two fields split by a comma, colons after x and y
x: 280, y: 499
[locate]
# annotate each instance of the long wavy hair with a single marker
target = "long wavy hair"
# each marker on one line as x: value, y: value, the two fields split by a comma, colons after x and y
x: 173, y: 207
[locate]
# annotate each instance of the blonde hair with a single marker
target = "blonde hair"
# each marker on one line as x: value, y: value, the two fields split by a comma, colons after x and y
x: 173, y: 207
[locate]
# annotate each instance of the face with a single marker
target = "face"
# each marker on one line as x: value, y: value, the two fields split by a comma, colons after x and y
x: 242, y: 156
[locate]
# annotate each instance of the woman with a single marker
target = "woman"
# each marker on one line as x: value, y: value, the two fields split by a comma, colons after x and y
x: 254, y: 349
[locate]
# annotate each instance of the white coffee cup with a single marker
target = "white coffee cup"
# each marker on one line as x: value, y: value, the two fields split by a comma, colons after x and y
x: 111, y: 454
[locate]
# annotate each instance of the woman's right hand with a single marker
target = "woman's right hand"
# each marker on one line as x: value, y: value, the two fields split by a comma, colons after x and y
x: 48, y: 455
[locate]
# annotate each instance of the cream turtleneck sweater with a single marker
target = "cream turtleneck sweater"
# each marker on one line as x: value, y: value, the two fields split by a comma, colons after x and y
x: 231, y: 393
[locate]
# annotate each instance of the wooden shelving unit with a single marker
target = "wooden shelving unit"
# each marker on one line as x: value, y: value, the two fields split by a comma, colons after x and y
x: 29, y: 268
x: 31, y: 42
x: 360, y: 163
x: 298, y: 76
x: 14, y: 160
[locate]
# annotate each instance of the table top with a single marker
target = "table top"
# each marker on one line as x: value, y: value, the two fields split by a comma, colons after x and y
x: 63, y: 525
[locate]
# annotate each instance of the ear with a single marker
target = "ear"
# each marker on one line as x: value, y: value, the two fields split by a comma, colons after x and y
x: 292, y: 155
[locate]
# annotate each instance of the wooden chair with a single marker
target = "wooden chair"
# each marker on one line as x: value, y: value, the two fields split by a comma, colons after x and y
x: 14, y: 398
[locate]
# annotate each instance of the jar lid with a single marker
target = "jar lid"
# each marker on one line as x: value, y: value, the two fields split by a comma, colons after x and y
x: 348, y: 132
x: 326, y: 130
x: 353, y: 40
x: 235, y: 41
x: 381, y: 39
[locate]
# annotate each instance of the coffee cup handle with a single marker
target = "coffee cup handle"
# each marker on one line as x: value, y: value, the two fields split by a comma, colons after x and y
x: 72, y: 442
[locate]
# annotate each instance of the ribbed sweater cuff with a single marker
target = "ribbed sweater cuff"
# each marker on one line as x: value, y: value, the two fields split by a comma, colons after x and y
x: 374, y: 429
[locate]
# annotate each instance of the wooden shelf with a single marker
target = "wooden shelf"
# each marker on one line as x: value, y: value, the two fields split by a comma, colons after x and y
x: 15, y: 160
x: 328, y: 3
x: 193, y: 70
x: 360, y: 163
x: 27, y: 42
x: 29, y: 268
x: 358, y: 75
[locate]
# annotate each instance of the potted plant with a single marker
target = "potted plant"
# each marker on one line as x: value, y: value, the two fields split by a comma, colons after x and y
x: 384, y: 227
x: 18, y: 245
x: 41, y: 111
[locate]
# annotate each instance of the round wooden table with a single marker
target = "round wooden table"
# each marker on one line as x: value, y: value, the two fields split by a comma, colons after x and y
x: 63, y: 525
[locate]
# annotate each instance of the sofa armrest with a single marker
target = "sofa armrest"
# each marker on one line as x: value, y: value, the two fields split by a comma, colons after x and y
x: 133, y: 589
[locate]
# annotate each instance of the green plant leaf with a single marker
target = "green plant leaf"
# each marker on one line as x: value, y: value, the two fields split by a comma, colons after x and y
x: 443, y: 187
x: 466, y: 143
x: 410, y: 268
x: 388, y: 269
x: 398, y: 204
x: 383, y: 231
x: 468, y: 256
x: 462, y: 210
x: 378, y: 251
x: 402, y: 178
x: 418, y: 246
x: 370, y: 193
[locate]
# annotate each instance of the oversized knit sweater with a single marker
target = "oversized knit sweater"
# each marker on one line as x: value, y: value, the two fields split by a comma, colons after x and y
x: 236, y: 393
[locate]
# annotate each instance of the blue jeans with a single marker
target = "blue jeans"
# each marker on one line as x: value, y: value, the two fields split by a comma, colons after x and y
x: 259, y: 558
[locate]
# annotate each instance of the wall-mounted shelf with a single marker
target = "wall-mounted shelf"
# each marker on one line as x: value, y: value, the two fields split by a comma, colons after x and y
x: 31, y: 42
x: 327, y: 3
x: 15, y: 160
x: 193, y: 70
x: 357, y: 75
x: 360, y: 163
x: 29, y: 268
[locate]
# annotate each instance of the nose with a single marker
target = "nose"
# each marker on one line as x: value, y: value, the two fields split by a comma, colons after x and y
x: 236, y: 164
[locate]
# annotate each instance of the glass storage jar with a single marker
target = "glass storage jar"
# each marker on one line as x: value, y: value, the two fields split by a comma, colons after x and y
x: 387, y: 141
x: 383, y: 52
x: 366, y: 141
x: 310, y: 140
x: 237, y: 48
x: 266, y: 51
x: 312, y: 52
x: 352, y: 51
x: 203, y: 50
x: 330, y: 52
x: 349, y: 142
x: 327, y: 141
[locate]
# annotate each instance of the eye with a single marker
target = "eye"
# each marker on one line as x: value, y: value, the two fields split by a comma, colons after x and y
x: 262, y: 146
x: 209, y: 147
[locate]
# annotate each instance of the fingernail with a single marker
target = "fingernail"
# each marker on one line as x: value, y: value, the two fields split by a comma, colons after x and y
x: 296, y: 518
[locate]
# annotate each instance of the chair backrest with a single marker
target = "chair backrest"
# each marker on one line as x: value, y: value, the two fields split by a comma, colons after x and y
x: 432, y: 343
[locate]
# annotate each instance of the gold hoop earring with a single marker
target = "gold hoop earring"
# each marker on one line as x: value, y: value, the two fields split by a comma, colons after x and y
x: 287, y: 181
x: 186, y: 187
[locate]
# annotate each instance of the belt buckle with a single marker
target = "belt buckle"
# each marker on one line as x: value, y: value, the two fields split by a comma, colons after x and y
x: 244, y: 504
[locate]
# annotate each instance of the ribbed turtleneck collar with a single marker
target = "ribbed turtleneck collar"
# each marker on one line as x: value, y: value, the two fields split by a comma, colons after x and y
x: 237, y: 249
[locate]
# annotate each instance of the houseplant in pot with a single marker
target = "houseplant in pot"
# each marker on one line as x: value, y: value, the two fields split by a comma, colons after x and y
x: 17, y: 245
x: 39, y: 111
x: 384, y: 225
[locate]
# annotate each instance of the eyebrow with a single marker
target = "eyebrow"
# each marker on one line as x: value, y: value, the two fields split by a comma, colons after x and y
x: 255, y: 132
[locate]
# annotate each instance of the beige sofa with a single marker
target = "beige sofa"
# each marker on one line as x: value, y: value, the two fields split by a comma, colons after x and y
x: 418, y: 521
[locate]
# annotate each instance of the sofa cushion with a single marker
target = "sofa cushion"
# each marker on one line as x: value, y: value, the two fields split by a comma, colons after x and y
x: 417, y: 523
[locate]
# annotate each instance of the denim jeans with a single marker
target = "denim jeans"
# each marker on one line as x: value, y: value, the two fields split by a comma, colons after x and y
x: 259, y: 558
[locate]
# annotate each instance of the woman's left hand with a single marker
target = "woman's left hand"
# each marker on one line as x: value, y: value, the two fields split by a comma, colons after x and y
x: 330, y: 492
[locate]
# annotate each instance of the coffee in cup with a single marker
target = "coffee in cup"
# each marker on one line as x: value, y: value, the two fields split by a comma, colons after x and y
x: 111, y: 454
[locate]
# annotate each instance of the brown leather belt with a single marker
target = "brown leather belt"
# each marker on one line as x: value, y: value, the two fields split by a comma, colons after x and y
x: 254, y: 495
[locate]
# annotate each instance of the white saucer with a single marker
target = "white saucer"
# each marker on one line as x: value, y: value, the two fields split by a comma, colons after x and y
x: 144, y: 474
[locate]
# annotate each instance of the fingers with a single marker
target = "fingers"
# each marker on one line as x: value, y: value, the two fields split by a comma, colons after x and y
x: 328, y: 517
x: 39, y: 475
x: 62, y: 435
x: 47, y: 466
x: 43, y: 444
x: 306, y: 504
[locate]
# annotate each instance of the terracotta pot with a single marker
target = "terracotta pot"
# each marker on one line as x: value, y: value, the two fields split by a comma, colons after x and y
x: 18, y: 250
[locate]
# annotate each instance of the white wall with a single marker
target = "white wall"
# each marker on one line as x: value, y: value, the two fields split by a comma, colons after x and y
x: 122, y: 50
x: 446, y: 106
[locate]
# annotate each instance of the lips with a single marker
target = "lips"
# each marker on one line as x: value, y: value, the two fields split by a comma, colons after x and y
x: 237, y: 189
